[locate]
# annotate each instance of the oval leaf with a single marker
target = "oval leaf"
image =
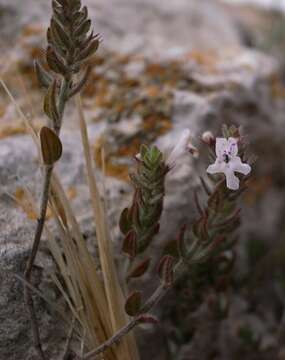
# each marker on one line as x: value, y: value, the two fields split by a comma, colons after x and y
x: 125, y: 222
x: 140, y: 269
x: 130, y: 244
x: 133, y: 303
x: 50, y: 107
x: 165, y: 270
x: 43, y: 76
x: 50, y: 145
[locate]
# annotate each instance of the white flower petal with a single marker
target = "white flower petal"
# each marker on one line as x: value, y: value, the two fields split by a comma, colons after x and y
x: 215, y: 168
x: 228, y: 162
x: 232, y: 181
x: 180, y: 148
x: 232, y: 146
x: 221, y: 147
x: 237, y: 165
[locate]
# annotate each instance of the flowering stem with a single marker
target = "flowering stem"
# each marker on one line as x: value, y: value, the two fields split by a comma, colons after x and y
x: 156, y: 296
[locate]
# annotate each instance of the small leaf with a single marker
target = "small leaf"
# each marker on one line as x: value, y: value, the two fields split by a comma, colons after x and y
x: 134, y: 211
x: 182, y: 250
x: 50, y: 107
x: 143, y: 150
x: 50, y: 145
x: 75, y: 4
x: 44, y: 78
x: 148, y: 319
x: 54, y: 62
x: 62, y: 2
x: 140, y: 269
x: 133, y: 303
x: 58, y: 14
x: 165, y: 270
x: 130, y: 244
x: 125, y: 222
x: 80, y: 16
x: 88, y: 51
x: 83, y: 28
x: 78, y: 87
x: 59, y: 34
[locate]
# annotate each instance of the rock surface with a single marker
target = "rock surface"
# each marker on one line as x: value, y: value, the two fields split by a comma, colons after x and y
x: 196, y: 90
x: 140, y: 26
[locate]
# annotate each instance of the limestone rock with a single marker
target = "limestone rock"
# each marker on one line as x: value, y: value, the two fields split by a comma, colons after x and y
x: 141, y: 26
x: 234, y: 87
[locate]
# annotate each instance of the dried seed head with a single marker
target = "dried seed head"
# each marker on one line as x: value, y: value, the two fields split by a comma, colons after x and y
x: 70, y: 43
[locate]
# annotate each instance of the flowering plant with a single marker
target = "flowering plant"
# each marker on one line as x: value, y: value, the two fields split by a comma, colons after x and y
x: 228, y: 162
x: 101, y: 309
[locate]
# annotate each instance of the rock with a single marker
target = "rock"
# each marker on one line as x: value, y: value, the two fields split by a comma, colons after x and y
x: 143, y: 26
x: 130, y: 100
x: 234, y: 87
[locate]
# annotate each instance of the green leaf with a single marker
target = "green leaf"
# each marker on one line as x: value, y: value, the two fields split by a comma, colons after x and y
x: 44, y: 78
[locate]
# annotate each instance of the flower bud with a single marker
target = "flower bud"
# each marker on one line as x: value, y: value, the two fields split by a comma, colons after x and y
x: 208, y: 138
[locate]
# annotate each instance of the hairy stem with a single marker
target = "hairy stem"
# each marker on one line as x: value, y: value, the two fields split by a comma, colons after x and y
x: 156, y: 296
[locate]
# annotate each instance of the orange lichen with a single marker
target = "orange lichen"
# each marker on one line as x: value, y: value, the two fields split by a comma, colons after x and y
x: 277, y: 87
x: 26, y: 204
x: 111, y: 168
x: 159, y: 124
x: 32, y: 30
x: 206, y: 59
x: 71, y: 193
x: 7, y: 130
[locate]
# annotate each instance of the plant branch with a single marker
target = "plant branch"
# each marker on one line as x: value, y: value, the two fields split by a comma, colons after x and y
x: 156, y: 296
x: 39, y: 230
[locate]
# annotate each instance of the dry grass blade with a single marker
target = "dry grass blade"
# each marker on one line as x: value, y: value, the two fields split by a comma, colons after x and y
x: 93, y: 292
x: 127, y: 348
x: 85, y: 294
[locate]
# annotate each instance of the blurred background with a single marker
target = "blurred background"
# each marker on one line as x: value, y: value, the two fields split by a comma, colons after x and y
x: 162, y: 66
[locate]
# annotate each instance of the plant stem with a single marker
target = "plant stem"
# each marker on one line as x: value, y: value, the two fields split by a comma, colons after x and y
x: 157, y: 295
x: 30, y: 263
x: 39, y: 229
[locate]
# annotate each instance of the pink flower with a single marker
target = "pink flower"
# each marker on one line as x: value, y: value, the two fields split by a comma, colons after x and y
x: 228, y: 162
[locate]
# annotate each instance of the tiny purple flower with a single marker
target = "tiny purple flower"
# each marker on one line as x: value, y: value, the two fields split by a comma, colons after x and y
x: 228, y: 162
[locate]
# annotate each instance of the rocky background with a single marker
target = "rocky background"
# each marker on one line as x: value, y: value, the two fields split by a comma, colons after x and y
x: 162, y: 67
